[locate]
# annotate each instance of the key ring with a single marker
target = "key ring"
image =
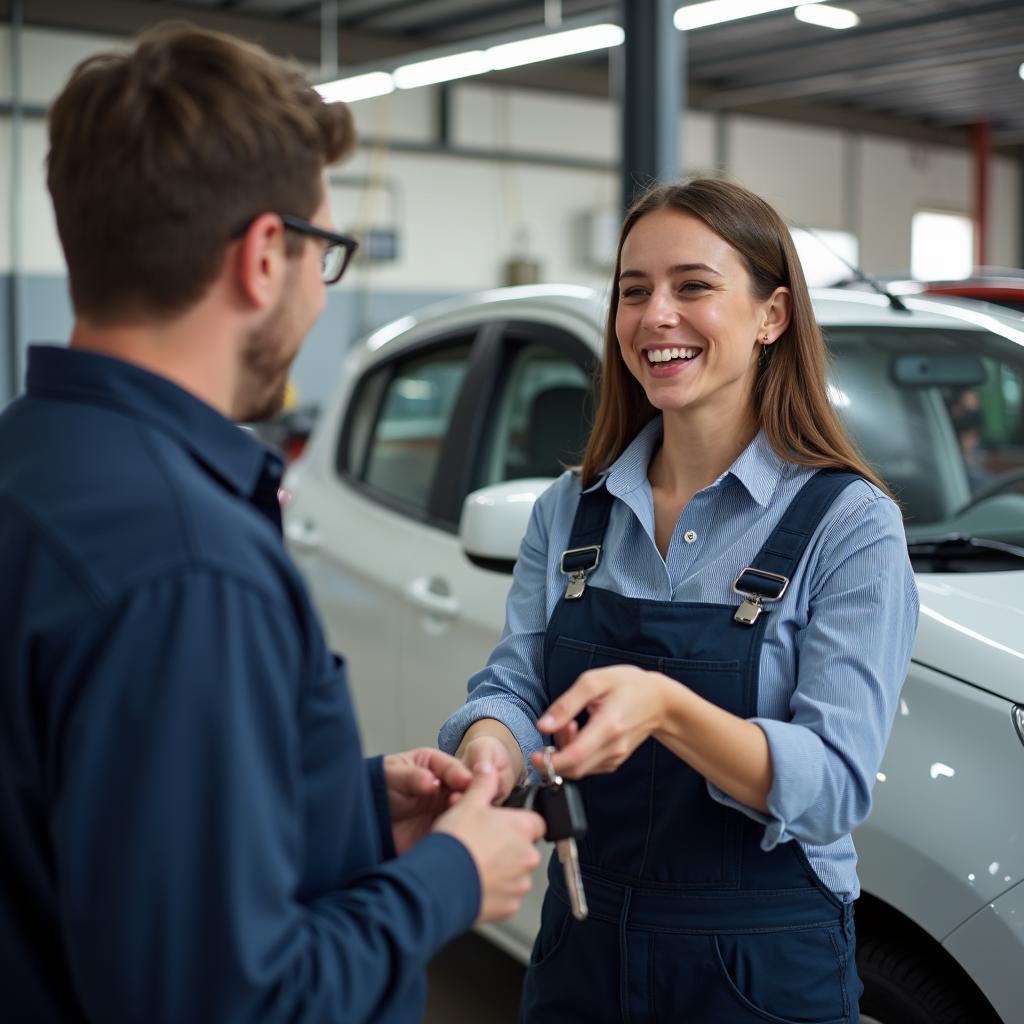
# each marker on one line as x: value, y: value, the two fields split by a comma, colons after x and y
x: 549, y: 768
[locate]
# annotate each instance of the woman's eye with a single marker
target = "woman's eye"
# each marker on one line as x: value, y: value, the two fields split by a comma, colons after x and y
x: 693, y: 286
x: 634, y: 292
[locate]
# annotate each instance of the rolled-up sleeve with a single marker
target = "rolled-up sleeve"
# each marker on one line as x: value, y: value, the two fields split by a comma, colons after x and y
x: 511, y: 687
x: 852, y: 657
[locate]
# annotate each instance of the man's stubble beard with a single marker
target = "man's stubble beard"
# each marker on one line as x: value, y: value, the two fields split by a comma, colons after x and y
x: 266, y: 358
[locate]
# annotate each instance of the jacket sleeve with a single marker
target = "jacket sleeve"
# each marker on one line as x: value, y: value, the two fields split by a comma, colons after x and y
x: 184, y: 771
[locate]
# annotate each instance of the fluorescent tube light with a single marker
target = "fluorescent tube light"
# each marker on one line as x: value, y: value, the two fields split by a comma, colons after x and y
x: 1020, y: 71
x: 827, y: 16
x: 441, y: 69
x: 714, y: 12
x: 555, y: 44
x: 445, y: 68
x: 358, y: 87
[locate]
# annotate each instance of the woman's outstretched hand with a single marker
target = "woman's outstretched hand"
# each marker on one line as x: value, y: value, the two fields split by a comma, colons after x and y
x: 626, y: 705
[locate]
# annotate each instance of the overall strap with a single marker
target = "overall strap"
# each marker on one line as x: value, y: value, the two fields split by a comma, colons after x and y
x: 769, y: 575
x: 586, y: 538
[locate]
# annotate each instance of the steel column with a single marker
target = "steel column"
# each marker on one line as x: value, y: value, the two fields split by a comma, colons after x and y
x: 652, y: 94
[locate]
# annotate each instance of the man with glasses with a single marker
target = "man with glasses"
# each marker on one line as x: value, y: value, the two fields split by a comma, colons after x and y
x: 188, y: 829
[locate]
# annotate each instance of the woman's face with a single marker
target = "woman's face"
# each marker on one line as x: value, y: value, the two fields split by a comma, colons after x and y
x: 687, y: 322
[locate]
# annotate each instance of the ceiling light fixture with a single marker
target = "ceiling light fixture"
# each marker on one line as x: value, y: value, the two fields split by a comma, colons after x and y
x: 556, y: 44
x: 358, y: 87
x: 1020, y: 71
x: 441, y: 69
x: 714, y: 12
x: 827, y: 16
x: 498, y: 57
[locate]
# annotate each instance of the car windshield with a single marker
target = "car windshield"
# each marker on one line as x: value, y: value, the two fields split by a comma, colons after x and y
x: 940, y: 414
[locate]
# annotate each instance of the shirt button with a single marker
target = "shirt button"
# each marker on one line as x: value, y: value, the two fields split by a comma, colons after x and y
x: 690, y: 536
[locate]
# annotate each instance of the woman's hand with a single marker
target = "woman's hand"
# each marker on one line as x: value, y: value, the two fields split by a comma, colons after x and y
x: 626, y: 706
x: 490, y: 750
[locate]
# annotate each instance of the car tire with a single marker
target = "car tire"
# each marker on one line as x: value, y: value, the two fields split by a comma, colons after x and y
x: 908, y: 986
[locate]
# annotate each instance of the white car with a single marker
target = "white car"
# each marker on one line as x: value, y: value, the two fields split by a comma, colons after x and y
x: 407, y: 511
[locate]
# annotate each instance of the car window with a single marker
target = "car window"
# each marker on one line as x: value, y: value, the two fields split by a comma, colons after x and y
x: 940, y: 415
x: 409, y: 405
x: 540, y: 417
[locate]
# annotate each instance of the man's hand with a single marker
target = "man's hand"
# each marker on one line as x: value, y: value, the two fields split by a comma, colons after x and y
x: 499, y: 839
x: 420, y: 785
x: 626, y: 706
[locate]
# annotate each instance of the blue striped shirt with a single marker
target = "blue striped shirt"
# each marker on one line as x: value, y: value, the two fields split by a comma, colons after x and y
x: 836, y: 647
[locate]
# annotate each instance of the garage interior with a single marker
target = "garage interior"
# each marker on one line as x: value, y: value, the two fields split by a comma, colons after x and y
x: 519, y: 175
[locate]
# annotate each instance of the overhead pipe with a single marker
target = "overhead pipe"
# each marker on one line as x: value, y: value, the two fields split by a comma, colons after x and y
x: 981, y: 138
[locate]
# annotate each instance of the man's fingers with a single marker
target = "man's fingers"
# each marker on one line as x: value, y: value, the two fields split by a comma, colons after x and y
x: 484, y: 786
x: 533, y: 825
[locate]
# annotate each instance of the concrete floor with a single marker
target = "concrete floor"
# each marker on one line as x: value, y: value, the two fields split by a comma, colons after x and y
x: 472, y: 982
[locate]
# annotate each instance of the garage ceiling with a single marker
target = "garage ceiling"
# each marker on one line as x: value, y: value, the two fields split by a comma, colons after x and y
x: 919, y: 68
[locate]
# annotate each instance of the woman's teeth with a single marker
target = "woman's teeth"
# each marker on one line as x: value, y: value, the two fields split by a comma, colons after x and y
x: 664, y: 355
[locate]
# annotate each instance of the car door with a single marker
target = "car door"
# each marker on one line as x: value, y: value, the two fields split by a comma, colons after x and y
x: 361, y: 518
x: 523, y: 417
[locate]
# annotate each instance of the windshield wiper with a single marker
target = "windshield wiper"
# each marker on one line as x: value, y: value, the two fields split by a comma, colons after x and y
x: 957, y: 552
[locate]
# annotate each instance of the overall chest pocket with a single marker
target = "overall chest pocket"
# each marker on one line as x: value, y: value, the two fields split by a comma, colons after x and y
x: 652, y: 820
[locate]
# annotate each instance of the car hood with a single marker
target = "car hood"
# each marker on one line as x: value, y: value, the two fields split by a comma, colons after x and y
x: 972, y: 627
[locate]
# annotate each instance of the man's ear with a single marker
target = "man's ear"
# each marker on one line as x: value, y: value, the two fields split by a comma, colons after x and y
x: 260, y: 261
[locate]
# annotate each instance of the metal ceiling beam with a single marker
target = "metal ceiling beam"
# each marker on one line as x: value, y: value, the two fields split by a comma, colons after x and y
x: 128, y: 17
x: 781, y: 52
x: 853, y: 78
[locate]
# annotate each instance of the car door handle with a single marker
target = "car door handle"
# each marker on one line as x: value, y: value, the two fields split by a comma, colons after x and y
x: 303, y: 534
x: 422, y: 595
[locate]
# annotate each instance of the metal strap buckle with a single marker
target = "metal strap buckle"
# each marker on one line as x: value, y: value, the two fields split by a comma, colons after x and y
x: 751, y: 608
x: 577, y: 577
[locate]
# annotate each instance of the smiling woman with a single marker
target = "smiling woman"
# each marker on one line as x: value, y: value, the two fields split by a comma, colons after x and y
x: 724, y: 754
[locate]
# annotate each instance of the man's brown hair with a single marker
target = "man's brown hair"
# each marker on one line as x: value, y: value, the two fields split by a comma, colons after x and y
x: 158, y: 156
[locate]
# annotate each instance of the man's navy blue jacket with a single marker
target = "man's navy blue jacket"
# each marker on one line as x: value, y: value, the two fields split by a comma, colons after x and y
x: 188, y: 829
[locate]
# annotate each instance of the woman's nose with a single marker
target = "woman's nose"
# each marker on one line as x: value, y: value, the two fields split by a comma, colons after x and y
x: 661, y: 310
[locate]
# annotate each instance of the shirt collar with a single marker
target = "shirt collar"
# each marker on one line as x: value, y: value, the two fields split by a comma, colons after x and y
x: 221, y: 446
x: 759, y: 468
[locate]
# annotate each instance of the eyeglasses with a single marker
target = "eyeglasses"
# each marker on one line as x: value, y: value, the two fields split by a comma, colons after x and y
x: 337, y: 253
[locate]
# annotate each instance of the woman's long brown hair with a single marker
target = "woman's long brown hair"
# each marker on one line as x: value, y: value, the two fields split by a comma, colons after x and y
x: 791, y: 401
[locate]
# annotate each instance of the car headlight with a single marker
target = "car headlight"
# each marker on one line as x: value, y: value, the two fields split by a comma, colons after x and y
x: 1017, y: 712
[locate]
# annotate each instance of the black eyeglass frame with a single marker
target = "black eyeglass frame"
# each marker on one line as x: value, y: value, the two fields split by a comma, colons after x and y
x: 346, y: 242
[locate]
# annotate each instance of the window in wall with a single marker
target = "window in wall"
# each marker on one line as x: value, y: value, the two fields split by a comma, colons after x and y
x: 941, y: 246
x: 822, y: 252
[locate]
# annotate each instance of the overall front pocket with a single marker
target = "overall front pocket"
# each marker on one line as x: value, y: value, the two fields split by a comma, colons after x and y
x: 652, y: 820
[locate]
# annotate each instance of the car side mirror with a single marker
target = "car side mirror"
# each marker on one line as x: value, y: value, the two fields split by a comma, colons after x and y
x: 494, y: 522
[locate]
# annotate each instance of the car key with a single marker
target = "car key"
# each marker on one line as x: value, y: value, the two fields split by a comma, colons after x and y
x: 559, y: 803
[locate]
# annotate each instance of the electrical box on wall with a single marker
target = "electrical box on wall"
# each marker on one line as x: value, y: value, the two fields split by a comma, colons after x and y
x: 597, y: 237
x: 521, y: 270
x: 378, y: 245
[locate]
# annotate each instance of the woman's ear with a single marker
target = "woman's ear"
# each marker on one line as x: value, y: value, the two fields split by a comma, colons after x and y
x: 777, y: 314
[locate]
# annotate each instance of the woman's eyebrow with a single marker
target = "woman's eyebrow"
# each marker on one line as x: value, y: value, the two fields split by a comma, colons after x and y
x: 679, y: 268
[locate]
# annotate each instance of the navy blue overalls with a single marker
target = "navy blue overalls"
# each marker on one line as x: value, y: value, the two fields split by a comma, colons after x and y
x: 690, y: 920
